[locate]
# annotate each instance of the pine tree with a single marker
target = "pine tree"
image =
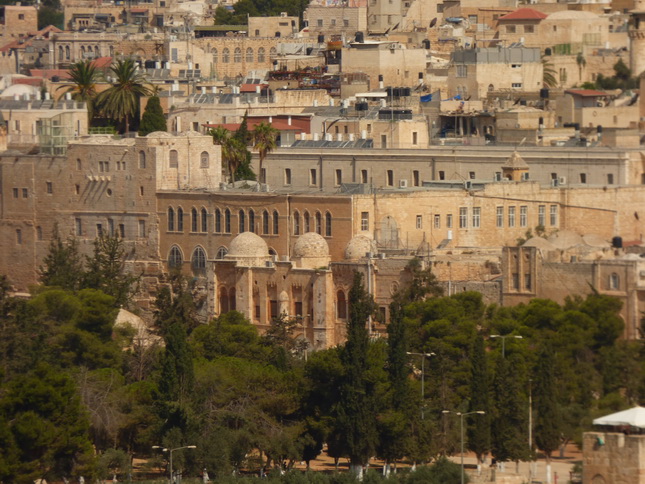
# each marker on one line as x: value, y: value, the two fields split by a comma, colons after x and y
x: 479, y: 430
x: 548, y: 422
x: 153, y: 118
x: 62, y: 266
x: 356, y: 408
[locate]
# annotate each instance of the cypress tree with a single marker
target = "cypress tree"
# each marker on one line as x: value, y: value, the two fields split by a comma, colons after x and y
x: 356, y: 406
x: 153, y: 118
x: 548, y: 422
x: 479, y: 431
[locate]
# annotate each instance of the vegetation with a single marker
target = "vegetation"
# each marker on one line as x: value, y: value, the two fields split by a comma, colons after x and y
x: 235, y: 152
x: 264, y: 140
x: 84, y: 77
x: 81, y: 397
x: 258, y: 8
x: 153, y: 118
x: 622, y: 79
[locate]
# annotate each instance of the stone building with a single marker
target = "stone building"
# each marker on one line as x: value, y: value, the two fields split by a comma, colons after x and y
x: 341, y: 20
x: 17, y: 21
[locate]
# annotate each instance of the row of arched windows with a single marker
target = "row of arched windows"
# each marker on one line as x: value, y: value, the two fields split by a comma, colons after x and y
x: 197, y: 259
x: 65, y: 53
x: 247, y: 221
x: 308, y: 223
x: 237, y: 55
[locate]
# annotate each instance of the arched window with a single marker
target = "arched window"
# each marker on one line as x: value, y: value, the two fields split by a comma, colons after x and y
x: 251, y: 221
x: 273, y: 52
x: 249, y: 55
x: 96, y: 50
x: 204, y: 160
x: 318, y: 223
x: 241, y: 221
x: 193, y: 220
x: 175, y: 259
x: 60, y: 52
x: 307, y: 222
x: 341, y: 305
x: 180, y: 219
x: 204, y: 220
x: 142, y: 159
x: 171, y: 219
x: 226, y: 56
x: 221, y: 252
x: 265, y: 223
x: 614, y: 281
x: 218, y: 221
x: 173, y: 159
x: 261, y: 54
x: 237, y: 55
x: 67, y: 56
x: 491, y: 88
x: 215, y: 56
x: 82, y: 50
x: 328, y: 224
x: 276, y: 225
x: 227, y: 221
x: 296, y: 223
x: 198, y: 261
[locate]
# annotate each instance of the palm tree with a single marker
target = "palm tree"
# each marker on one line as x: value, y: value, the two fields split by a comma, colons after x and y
x: 121, y: 101
x: 222, y: 136
x: 264, y: 140
x: 548, y: 73
x: 582, y: 63
x: 84, y: 77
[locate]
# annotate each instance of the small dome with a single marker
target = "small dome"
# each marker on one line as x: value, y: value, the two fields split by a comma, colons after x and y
x: 359, y: 246
x: 565, y: 239
x: 540, y: 243
x: 248, y: 244
x: 311, y: 244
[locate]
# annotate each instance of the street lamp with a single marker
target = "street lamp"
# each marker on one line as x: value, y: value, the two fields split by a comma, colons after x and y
x: 461, y: 424
x: 504, y: 336
x: 170, y: 451
x: 423, y: 360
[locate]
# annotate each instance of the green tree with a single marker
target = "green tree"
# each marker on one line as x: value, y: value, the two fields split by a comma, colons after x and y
x: 121, y: 101
x: 548, y: 422
x: 106, y: 270
x: 153, y: 118
x: 357, y: 406
x: 84, y: 77
x: 479, y: 430
x: 264, y: 140
x: 62, y: 266
x: 548, y: 74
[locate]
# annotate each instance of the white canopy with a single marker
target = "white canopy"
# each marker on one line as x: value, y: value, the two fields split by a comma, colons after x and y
x: 634, y: 417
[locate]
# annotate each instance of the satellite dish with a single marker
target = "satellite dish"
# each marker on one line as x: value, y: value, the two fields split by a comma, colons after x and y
x: 433, y: 22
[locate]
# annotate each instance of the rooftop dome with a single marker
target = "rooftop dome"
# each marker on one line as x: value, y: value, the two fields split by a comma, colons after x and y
x: 540, y: 243
x: 20, y: 90
x: 311, y: 244
x: 248, y: 244
x: 359, y: 246
x: 595, y: 240
x: 565, y: 239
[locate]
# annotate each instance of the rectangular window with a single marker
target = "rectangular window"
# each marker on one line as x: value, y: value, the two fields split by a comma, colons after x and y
x: 477, y: 212
x: 510, y: 29
x: 471, y: 175
x: 142, y: 228
x: 449, y: 221
x: 516, y: 85
x: 111, y: 227
x: 523, y: 215
x: 529, y: 29
x: 122, y: 231
x: 415, y: 178
x: 339, y: 177
x: 390, y: 178
x: 437, y: 221
x: 511, y: 216
x: 442, y: 175
x: 287, y: 176
x: 333, y: 22
x: 99, y: 230
x: 365, y: 221
x: 18, y: 236
x: 50, y: 187
x: 384, y: 141
x: 499, y: 222
x: 319, y: 22
x: 553, y: 215
x: 313, y: 179
x: 15, y: 193
x: 419, y: 221
x: 610, y: 178
x: 415, y: 138
x: 462, y: 71
x: 79, y: 227
x: 541, y: 215
x: 363, y: 176
x: 527, y: 281
x: 463, y: 217
x: 345, y: 22
x: 516, y: 281
x: 583, y: 178
x: 25, y: 193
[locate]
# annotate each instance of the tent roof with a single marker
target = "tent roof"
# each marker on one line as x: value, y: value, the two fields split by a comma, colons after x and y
x: 634, y: 417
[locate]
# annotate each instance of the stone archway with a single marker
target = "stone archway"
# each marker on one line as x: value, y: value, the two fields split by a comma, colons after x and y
x: 598, y: 479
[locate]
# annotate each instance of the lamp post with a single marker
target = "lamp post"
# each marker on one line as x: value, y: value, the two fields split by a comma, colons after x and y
x: 170, y: 451
x: 423, y: 374
x: 461, y: 426
x: 503, y: 337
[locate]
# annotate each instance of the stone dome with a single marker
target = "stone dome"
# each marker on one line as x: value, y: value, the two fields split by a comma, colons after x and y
x: 359, y: 246
x: 311, y: 244
x: 565, y: 239
x: 540, y: 243
x: 248, y: 244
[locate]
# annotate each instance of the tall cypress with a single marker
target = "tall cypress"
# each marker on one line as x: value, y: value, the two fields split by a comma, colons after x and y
x: 548, y: 422
x: 357, y: 406
x: 479, y: 430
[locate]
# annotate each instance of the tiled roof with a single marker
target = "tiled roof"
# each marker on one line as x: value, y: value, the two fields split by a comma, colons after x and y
x: 524, y: 14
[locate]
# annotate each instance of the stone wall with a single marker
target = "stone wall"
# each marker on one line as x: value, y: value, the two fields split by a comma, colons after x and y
x: 619, y: 459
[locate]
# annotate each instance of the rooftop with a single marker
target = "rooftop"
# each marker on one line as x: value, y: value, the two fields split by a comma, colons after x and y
x: 524, y: 14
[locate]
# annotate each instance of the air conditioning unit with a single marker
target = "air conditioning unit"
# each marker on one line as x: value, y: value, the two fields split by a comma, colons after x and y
x: 562, y: 180
x: 403, y: 184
